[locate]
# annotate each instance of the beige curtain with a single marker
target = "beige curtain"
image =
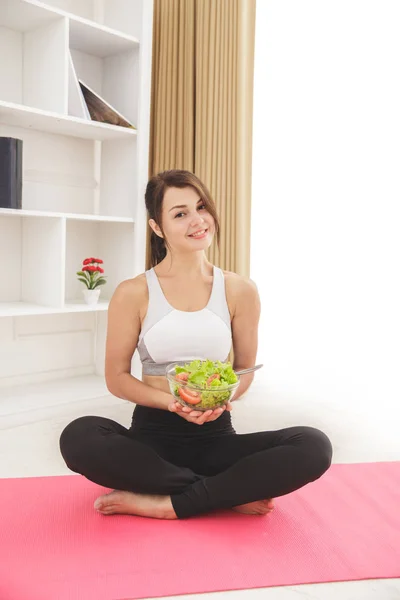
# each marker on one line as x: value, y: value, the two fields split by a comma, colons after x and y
x: 202, y: 109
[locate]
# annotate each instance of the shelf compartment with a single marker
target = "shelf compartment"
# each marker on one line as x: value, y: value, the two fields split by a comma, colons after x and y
x: 112, y: 242
x: 122, y: 16
x: 58, y: 172
x: 31, y: 262
x: 104, y: 74
x: 104, y: 33
x: 76, y: 176
x: 97, y: 40
x: 24, y: 16
x: 36, y: 69
x: 118, y: 191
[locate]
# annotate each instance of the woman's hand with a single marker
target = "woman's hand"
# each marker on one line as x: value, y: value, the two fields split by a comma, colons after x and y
x: 197, y: 416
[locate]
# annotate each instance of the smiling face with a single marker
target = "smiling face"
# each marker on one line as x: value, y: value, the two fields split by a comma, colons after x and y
x: 187, y: 224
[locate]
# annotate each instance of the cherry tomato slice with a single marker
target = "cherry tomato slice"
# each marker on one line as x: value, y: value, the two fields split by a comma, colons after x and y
x: 212, y: 377
x: 189, y: 396
x: 182, y: 376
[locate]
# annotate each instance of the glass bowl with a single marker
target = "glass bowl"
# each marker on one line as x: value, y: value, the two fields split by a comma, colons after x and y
x: 189, y: 394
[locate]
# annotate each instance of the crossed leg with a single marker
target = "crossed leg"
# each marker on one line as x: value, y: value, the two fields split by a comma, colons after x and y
x: 242, y: 471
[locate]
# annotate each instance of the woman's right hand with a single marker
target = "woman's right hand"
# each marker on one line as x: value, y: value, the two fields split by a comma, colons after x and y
x: 196, y: 416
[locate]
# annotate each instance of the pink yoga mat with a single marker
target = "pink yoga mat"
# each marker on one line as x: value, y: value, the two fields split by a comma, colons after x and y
x: 55, y: 546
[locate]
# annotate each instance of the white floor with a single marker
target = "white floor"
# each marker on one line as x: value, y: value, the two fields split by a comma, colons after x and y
x: 29, y: 447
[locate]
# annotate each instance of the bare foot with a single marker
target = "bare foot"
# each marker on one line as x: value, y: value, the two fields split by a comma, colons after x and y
x: 129, y: 503
x: 259, y: 507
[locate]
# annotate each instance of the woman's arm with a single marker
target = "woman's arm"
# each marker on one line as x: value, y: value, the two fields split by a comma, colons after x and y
x: 123, y: 329
x: 245, y: 330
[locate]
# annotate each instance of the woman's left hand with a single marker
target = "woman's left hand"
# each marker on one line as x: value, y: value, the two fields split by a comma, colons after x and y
x: 197, y: 416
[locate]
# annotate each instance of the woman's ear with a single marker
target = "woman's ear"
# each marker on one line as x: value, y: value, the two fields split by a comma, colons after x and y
x: 155, y: 228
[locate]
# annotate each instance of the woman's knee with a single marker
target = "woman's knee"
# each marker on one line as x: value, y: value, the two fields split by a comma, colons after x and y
x: 78, y: 435
x: 318, y: 448
x: 72, y: 436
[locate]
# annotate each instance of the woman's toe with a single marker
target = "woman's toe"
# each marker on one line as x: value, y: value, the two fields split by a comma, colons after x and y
x: 98, y: 504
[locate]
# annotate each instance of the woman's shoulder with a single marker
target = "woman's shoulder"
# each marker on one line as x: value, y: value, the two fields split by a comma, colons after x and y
x: 135, y: 284
x: 239, y: 289
x: 238, y: 282
x: 135, y: 290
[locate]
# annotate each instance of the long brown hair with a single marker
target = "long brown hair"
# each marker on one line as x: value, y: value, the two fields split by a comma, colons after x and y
x: 154, y: 196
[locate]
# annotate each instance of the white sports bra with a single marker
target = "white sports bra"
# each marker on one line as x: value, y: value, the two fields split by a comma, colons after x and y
x: 170, y: 335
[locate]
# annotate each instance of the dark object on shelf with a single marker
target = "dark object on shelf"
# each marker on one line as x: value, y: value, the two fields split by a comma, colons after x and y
x: 10, y: 172
x: 100, y: 110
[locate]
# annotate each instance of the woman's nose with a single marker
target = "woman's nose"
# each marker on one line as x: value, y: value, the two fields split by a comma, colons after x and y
x: 197, y: 219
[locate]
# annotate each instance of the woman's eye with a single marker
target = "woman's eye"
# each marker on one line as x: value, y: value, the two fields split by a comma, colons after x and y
x: 181, y: 213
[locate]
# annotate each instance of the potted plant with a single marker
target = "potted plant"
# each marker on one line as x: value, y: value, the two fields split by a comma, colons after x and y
x: 92, y: 276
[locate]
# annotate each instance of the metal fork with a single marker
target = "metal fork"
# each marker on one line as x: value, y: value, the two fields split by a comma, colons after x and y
x: 243, y: 371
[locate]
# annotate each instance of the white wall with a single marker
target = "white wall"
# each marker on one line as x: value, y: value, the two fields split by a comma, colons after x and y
x: 326, y: 186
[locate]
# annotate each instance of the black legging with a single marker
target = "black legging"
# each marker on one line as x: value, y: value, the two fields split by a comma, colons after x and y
x: 202, y: 467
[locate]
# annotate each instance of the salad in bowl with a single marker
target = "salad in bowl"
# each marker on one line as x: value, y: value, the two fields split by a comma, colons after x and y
x: 202, y: 384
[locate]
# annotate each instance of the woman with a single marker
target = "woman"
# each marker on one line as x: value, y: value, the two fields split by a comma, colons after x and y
x: 176, y: 462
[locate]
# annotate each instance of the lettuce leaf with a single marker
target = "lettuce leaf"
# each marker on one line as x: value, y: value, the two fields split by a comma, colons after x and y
x: 199, y: 371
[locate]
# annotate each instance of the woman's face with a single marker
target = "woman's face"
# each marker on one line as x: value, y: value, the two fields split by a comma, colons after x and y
x: 185, y: 214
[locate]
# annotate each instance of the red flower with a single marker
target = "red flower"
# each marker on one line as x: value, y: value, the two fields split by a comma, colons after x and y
x: 90, y: 261
x: 92, y: 269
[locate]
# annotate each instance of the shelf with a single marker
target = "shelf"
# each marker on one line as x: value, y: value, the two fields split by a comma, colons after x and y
x: 41, y: 213
x: 50, y: 122
x: 78, y: 306
x: 88, y: 36
x: 24, y: 309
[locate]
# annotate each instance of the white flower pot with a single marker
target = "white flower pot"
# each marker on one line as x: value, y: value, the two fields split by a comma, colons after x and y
x: 91, y: 296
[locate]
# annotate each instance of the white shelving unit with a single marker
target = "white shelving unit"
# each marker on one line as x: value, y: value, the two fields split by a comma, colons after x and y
x: 83, y: 181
